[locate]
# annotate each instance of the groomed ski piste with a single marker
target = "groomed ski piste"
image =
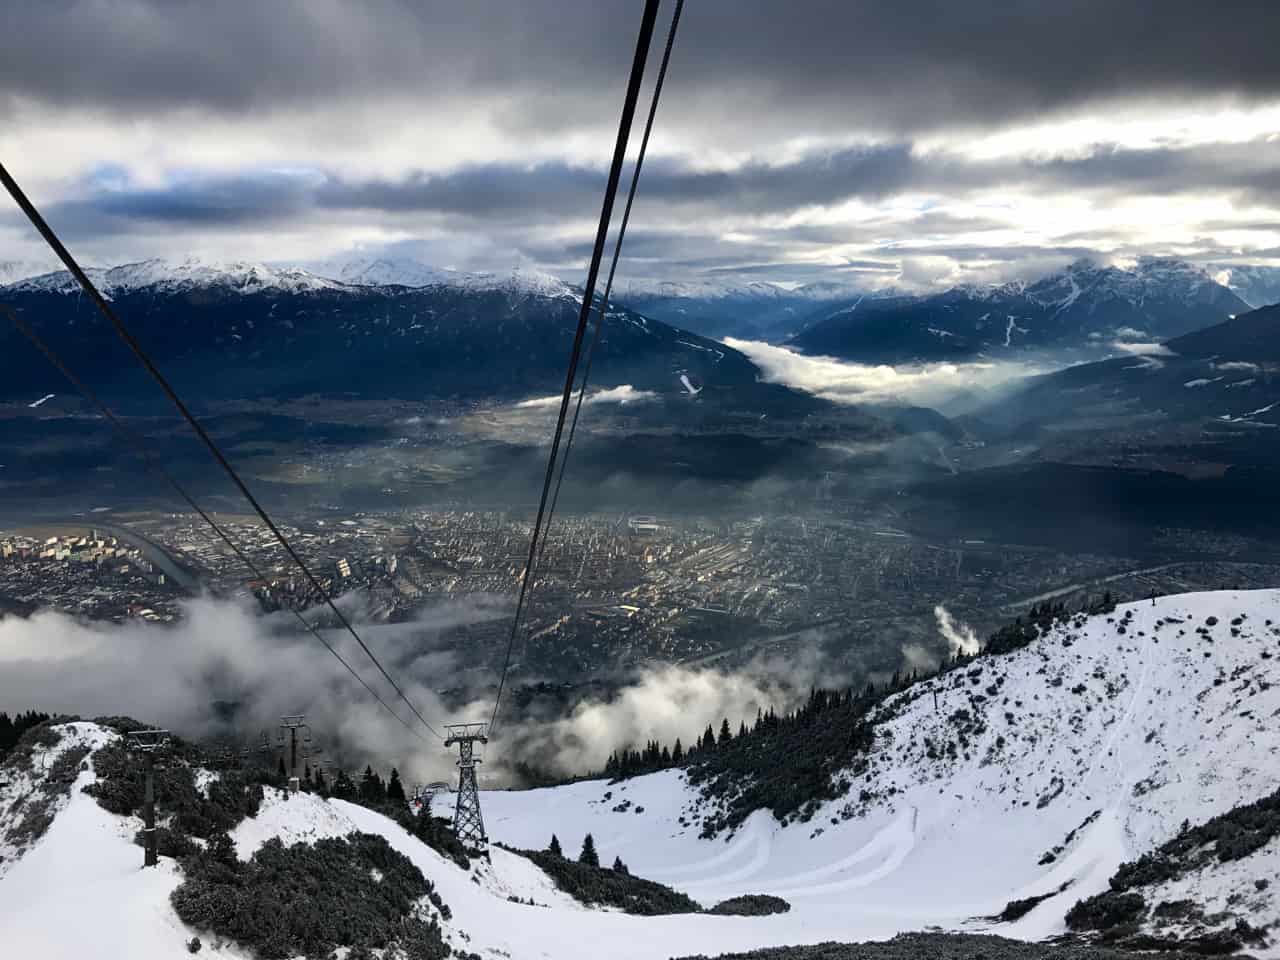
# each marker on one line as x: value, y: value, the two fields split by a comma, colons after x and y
x: 1084, y: 750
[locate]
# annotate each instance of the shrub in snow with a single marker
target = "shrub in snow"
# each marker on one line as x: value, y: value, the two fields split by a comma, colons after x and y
x: 596, y: 886
x: 1107, y: 912
x: 310, y: 899
x: 751, y: 905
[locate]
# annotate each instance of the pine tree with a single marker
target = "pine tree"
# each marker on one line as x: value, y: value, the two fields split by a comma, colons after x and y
x: 321, y: 786
x: 371, y: 788
x: 620, y: 867
x: 677, y: 752
x: 725, y: 733
x: 588, y: 855
x: 554, y: 848
x: 344, y: 787
x: 395, y: 789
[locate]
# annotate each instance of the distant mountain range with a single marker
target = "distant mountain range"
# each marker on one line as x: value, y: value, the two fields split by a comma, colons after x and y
x: 753, y: 310
x: 243, y: 330
x: 1083, y: 310
x: 1157, y: 297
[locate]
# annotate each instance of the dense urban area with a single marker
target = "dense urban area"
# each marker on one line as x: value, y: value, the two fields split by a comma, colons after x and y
x: 612, y: 591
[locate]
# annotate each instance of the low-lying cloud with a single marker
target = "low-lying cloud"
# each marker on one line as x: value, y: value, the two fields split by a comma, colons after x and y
x: 665, y: 703
x: 225, y: 671
x: 258, y: 668
x: 959, y: 636
x: 843, y: 381
x: 621, y: 395
x: 1143, y: 349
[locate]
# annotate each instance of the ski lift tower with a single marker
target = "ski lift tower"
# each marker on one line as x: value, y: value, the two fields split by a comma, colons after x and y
x: 147, y: 743
x: 293, y: 724
x: 468, y: 824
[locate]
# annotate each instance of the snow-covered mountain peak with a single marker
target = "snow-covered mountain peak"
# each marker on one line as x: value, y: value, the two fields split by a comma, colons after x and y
x: 700, y: 289
x: 175, y: 276
x: 392, y: 271
x: 375, y: 271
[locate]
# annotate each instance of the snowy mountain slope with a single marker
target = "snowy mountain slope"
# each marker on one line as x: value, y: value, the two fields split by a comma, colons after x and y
x: 1045, y: 767
x: 80, y: 890
x: 161, y: 276
x: 1109, y: 738
x: 167, y: 277
x: 35, y: 787
x: 371, y: 271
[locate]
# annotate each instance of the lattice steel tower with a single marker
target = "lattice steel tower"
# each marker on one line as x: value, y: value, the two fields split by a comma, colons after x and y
x: 468, y: 824
x: 147, y: 743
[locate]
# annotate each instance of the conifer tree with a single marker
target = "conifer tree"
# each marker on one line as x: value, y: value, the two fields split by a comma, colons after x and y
x: 677, y: 752
x: 371, y: 788
x: 725, y: 733
x: 344, y: 787
x: 620, y: 867
x: 395, y: 789
x: 588, y: 855
x: 554, y: 849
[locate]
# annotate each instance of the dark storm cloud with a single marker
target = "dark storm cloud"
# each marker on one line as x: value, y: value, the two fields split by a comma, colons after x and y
x: 909, y: 65
x: 505, y: 190
x: 514, y: 195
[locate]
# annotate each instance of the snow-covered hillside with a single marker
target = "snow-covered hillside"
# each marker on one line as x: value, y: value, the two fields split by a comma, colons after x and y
x: 165, y: 276
x: 1046, y: 767
x: 406, y: 272
x: 1092, y: 745
x: 177, y: 276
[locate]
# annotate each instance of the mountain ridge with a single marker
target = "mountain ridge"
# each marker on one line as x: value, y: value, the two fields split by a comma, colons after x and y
x: 1083, y: 309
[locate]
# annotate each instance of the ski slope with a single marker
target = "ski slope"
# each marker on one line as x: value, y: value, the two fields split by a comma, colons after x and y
x: 1133, y: 732
x: 1091, y: 746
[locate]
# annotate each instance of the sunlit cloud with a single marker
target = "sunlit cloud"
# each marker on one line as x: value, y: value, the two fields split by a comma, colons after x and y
x: 622, y: 395
x: 842, y: 381
x: 1143, y: 349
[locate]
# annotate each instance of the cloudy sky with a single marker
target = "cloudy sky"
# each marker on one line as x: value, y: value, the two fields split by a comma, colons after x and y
x: 917, y: 142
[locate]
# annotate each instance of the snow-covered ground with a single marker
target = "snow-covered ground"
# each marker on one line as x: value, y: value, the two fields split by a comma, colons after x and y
x: 81, y: 890
x: 1149, y: 726
x: 1091, y: 745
